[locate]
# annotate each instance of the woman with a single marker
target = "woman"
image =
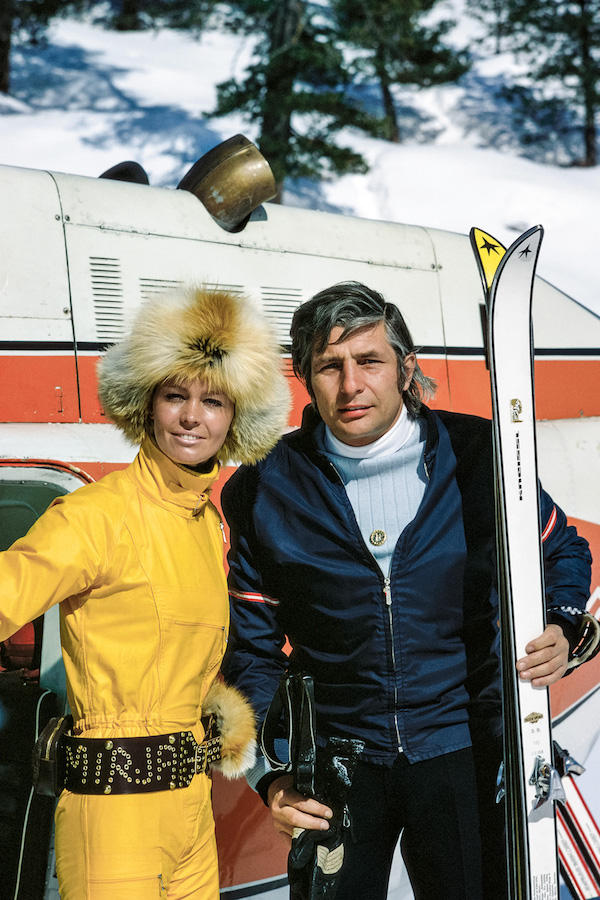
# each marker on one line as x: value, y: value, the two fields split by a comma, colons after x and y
x: 136, y: 563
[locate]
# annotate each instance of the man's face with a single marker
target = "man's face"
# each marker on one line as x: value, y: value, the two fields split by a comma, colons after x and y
x: 355, y: 384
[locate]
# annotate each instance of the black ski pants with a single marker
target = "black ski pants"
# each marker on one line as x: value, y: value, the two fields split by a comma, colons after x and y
x: 434, y: 806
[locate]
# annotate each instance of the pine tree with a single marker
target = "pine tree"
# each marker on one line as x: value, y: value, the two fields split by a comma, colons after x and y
x: 496, y: 15
x: 6, y: 26
x: 135, y: 15
x: 562, y: 39
x: 296, y: 90
x: 128, y: 16
x: 396, y: 47
x: 29, y: 18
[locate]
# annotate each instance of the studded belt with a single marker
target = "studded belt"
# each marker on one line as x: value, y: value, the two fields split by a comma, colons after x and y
x: 136, y: 765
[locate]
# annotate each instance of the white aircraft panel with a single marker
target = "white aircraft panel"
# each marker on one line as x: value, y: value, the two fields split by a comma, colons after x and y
x: 137, y: 266
x: 34, y: 291
x: 118, y: 206
x: 569, y: 464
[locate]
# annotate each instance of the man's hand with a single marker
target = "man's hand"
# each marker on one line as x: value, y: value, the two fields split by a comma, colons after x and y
x: 291, y: 810
x: 546, y: 659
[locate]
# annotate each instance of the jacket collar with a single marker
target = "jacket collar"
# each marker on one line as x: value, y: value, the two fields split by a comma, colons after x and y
x: 177, y: 488
x: 304, y: 438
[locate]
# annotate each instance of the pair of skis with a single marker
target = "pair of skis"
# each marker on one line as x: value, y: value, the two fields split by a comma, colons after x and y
x: 531, y: 783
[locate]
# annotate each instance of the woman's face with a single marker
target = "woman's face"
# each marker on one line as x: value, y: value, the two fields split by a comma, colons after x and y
x: 190, y: 422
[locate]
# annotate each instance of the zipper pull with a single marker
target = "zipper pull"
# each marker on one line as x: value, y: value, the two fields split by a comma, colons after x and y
x: 335, y: 472
x: 387, y: 590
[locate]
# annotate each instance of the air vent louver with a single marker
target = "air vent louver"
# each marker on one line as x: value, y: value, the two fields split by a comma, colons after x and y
x: 107, y: 292
x: 230, y: 288
x: 150, y: 287
x: 280, y: 304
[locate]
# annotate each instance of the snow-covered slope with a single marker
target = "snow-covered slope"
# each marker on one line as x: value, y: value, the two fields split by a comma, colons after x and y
x: 93, y: 97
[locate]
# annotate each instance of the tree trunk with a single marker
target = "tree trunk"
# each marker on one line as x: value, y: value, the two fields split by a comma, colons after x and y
x: 499, y: 26
x: 6, y: 21
x: 588, y: 81
x: 128, y: 19
x: 276, y: 132
x: 391, y: 131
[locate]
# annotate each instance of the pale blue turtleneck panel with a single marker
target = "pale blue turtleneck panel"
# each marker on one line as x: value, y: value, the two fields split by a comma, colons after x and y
x: 386, y: 485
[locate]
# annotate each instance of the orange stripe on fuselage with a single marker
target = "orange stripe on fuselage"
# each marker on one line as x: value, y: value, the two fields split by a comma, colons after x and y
x: 38, y: 388
x: 564, y: 388
x: 35, y: 387
x: 91, y: 411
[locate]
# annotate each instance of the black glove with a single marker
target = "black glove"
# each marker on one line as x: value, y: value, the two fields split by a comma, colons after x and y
x: 316, y: 857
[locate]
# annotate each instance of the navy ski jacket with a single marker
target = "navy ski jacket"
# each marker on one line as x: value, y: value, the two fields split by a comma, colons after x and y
x: 408, y: 663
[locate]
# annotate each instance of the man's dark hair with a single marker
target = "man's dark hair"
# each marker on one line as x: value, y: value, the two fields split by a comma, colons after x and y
x: 352, y: 305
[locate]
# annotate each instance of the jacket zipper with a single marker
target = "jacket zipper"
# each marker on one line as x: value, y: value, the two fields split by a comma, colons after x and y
x: 387, y: 592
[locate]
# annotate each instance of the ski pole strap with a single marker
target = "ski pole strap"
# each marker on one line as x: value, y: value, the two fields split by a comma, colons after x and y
x: 294, y: 701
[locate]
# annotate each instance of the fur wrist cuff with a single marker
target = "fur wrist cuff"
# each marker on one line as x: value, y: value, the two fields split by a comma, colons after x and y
x: 236, y: 726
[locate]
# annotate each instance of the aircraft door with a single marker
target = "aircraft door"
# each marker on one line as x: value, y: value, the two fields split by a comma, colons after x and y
x: 37, y: 360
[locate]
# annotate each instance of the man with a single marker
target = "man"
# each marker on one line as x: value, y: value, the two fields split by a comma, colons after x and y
x: 367, y: 537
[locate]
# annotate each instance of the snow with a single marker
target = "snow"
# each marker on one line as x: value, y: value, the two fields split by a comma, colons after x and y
x: 93, y: 97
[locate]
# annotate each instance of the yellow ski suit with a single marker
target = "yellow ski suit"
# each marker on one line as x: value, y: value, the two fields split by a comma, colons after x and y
x: 136, y: 563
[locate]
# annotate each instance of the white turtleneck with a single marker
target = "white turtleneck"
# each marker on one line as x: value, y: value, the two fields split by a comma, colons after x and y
x: 385, y: 481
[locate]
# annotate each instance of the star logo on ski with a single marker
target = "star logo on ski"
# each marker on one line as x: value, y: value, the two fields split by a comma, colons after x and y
x: 487, y: 245
x: 525, y: 253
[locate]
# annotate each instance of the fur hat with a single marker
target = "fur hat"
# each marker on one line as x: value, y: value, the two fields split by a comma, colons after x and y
x: 200, y: 333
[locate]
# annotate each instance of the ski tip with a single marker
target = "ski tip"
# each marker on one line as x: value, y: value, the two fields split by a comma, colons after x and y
x: 488, y: 253
x: 532, y: 239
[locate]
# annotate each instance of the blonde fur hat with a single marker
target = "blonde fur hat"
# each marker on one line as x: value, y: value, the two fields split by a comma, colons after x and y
x: 200, y: 333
